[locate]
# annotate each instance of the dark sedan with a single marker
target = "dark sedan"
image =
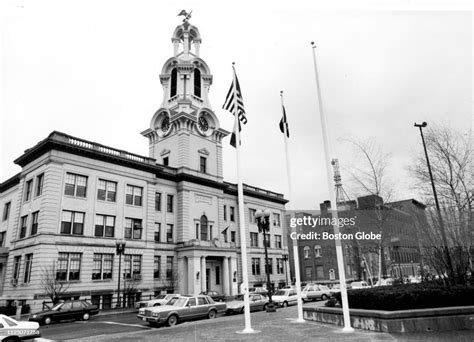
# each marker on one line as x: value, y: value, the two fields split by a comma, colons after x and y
x: 75, y: 309
x: 216, y: 296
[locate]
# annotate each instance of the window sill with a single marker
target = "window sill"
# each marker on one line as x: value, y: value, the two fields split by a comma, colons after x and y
x: 76, y: 197
x: 102, y: 280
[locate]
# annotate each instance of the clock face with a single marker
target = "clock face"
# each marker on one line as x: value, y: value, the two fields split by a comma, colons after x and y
x: 203, y: 124
x: 165, y: 124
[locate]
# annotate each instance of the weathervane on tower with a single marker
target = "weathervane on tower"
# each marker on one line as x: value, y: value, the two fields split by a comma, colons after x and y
x: 186, y: 15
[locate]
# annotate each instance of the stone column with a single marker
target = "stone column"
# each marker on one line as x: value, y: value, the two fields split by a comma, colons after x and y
x: 203, y: 273
x: 183, y: 272
x: 226, y: 276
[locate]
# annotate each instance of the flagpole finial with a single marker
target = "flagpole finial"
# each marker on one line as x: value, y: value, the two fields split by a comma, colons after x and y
x: 233, y: 63
x: 281, y: 92
x: 313, y: 45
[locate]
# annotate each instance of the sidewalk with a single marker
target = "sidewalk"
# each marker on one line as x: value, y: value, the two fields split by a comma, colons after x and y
x: 272, y: 327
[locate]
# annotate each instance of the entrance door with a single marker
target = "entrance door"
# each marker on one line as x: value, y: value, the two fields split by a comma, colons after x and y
x: 208, y: 278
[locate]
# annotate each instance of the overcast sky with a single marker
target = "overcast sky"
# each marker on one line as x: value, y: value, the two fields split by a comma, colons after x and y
x: 91, y: 69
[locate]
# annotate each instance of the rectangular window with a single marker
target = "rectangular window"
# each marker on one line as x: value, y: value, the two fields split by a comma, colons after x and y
x: 202, y: 164
x: 28, y: 263
x: 218, y: 275
x: 132, y: 266
x: 107, y: 190
x: 308, y: 273
x: 169, y: 233
x: 34, y: 223
x: 23, y: 223
x: 276, y: 219
x: 266, y: 240
x: 76, y: 185
x: 225, y: 213
x: 103, y: 265
x: 72, y: 222
x: 133, y: 229
x: 134, y: 195
x: 280, y: 269
x: 225, y: 233
x: 16, y: 268
x: 2, y: 238
x: 253, y: 239
x: 156, y: 267
x: 6, y: 211
x: 169, y: 267
x: 270, y: 266
x: 39, y: 184
x: 104, y: 226
x: 232, y: 237
x: 28, y: 186
x: 197, y: 231
x: 157, y: 201
x: 278, y: 241
x: 319, y: 272
x: 157, y: 232
x: 255, y: 266
x: 232, y: 214
x: 252, y: 215
x: 169, y: 203
x: 166, y: 161
x: 69, y: 266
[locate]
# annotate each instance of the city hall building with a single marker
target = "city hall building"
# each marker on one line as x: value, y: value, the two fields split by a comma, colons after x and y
x: 74, y: 200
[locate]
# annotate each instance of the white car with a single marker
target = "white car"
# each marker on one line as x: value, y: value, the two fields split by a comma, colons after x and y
x: 157, y: 301
x: 359, y: 285
x: 18, y: 330
x: 314, y: 292
x: 285, y: 297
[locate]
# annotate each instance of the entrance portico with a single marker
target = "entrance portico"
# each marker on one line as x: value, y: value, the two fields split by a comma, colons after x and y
x: 207, y: 269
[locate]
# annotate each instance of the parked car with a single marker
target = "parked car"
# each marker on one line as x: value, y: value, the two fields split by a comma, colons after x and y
x: 180, y: 309
x: 359, y: 285
x: 257, y: 302
x: 214, y: 295
x: 73, y: 309
x: 336, y: 288
x: 315, y: 292
x: 384, y: 282
x: 285, y: 297
x: 158, y: 300
x: 13, y: 330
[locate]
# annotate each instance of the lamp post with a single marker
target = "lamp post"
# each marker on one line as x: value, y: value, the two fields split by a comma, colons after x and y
x: 441, y: 223
x: 285, y: 258
x: 263, y: 222
x: 120, y: 244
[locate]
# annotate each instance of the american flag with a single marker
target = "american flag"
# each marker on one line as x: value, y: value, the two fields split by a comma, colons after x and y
x: 234, y: 96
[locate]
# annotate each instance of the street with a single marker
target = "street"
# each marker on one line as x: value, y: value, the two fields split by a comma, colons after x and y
x: 278, y: 326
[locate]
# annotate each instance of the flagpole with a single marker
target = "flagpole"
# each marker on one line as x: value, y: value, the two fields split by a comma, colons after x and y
x: 240, y: 194
x: 292, y: 214
x: 332, y: 197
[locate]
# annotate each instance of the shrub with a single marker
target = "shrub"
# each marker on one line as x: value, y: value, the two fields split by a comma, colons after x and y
x: 409, y: 296
x: 331, y: 303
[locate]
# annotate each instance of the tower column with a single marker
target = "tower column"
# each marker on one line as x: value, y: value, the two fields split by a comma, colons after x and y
x: 203, y: 273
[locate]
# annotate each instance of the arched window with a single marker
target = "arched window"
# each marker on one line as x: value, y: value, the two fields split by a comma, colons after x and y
x: 174, y: 82
x: 197, y: 82
x: 317, y: 251
x: 204, y: 227
x: 306, y: 252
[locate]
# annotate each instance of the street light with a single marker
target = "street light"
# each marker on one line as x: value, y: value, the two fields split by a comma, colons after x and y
x: 285, y: 258
x: 441, y: 223
x: 263, y: 223
x: 120, y: 244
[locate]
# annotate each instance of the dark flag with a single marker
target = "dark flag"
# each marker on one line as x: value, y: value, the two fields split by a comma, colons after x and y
x: 234, y: 103
x: 284, y: 123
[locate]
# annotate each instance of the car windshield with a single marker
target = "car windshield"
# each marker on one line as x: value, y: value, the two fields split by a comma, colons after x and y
x: 280, y: 293
x: 239, y: 297
x: 57, y: 306
x: 177, y: 302
x: 160, y: 297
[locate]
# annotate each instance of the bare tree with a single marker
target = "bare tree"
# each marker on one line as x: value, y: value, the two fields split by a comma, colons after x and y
x: 52, y: 287
x: 450, y: 155
x: 369, y: 176
x: 172, y: 280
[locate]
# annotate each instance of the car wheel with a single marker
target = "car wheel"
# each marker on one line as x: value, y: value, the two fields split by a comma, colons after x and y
x: 172, y: 320
x: 285, y: 304
x: 265, y: 307
x: 85, y: 316
x: 212, y: 314
x: 324, y: 297
x: 12, y: 339
x: 47, y: 320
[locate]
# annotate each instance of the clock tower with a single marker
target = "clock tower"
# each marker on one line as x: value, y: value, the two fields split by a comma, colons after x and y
x: 185, y: 132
